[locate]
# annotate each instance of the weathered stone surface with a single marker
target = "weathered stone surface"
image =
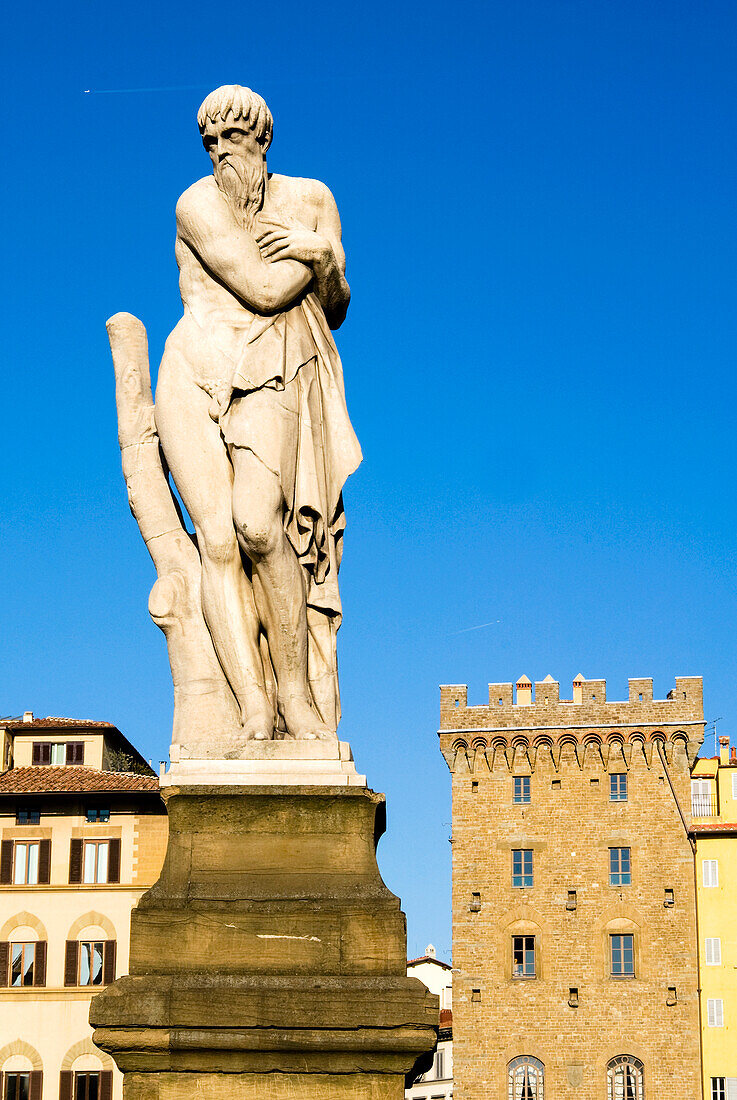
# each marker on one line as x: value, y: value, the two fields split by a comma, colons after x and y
x: 269, y: 945
x: 283, y: 1086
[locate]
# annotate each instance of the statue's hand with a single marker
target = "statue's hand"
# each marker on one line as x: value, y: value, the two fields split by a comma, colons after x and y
x: 278, y: 242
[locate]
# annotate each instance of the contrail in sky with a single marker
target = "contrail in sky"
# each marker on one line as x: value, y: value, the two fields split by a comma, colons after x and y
x: 479, y: 627
x: 128, y: 91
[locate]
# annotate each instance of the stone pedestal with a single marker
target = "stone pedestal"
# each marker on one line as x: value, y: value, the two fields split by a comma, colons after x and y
x: 269, y: 960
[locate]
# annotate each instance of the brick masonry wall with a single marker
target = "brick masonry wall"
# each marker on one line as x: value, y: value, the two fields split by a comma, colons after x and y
x: 570, y: 824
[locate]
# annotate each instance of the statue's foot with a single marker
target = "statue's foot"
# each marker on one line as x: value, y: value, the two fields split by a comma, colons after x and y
x: 302, y: 721
x: 257, y: 717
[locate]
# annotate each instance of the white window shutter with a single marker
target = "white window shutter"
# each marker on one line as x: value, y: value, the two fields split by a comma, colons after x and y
x: 715, y: 1012
x: 714, y: 953
x: 734, y: 795
x: 711, y: 872
x: 731, y: 1083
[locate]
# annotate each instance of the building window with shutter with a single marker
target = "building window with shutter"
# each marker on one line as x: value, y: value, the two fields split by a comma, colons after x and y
x: 711, y: 872
x: 17, y: 1086
x: 86, y: 1086
x: 25, y: 862
x: 713, y: 952
x: 22, y: 958
x: 723, y: 1088
x: 90, y: 962
x: 95, y: 861
x: 74, y: 752
x: 715, y: 1012
x: 23, y: 1086
x: 90, y: 1086
x: 22, y: 964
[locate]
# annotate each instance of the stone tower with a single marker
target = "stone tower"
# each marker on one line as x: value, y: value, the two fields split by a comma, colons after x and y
x: 574, y: 924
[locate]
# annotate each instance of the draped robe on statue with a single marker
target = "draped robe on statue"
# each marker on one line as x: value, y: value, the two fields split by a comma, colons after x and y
x: 279, y: 381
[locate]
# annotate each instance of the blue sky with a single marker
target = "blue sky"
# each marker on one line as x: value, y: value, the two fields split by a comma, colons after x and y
x: 538, y: 209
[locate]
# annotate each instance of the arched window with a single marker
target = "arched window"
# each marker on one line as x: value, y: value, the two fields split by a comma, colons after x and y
x: 526, y: 1076
x: 625, y: 1078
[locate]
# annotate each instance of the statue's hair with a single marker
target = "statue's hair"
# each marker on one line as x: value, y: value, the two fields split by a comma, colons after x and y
x: 242, y: 103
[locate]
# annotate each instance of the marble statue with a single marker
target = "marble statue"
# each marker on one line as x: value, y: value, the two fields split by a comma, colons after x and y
x: 250, y: 422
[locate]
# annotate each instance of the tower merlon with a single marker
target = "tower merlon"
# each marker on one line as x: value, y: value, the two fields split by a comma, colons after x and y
x: 520, y: 707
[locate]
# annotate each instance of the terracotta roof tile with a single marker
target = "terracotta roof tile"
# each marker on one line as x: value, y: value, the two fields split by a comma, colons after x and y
x: 429, y: 959
x: 43, y: 779
x: 55, y: 722
x: 715, y: 827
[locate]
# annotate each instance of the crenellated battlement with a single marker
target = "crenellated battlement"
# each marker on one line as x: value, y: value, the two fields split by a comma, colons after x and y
x: 523, y: 718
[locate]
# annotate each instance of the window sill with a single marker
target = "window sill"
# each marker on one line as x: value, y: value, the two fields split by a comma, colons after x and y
x: 622, y: 977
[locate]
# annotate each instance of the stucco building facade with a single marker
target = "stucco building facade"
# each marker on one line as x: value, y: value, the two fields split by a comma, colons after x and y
x: 80, y: 841
x: 437, y: 1082
x: 714, y: 814
x: 574, y: 915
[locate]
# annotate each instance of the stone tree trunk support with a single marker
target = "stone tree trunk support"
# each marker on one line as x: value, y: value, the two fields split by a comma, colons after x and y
x: 203, y: 700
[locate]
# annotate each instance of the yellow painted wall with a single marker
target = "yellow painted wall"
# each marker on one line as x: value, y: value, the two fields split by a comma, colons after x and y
x: 48, y: 1028
x: 717, y: 917
x: 23, y: 746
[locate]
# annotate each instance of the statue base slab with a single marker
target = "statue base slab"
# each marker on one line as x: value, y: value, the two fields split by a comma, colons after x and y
x: 269, y: 960
x: 281, y: 763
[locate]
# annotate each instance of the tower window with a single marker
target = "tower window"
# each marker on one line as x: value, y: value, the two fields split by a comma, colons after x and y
x: 622, y: 955
x: 523, y: 957
x: 521, y: 867
x: 618, y: 787
x: 521, y: 788
x: 620, y: 873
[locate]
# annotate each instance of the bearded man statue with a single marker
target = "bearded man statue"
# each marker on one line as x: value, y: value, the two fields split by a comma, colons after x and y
x: 251, y: 416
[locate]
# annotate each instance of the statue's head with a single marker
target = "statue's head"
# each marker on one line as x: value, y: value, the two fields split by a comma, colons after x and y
x: 236, y: 128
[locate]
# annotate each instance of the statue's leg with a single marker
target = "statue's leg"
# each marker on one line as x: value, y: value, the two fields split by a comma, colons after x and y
x: 202, y: 473
x: 279, y: 589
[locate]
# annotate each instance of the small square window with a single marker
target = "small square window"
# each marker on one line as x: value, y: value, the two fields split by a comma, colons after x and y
x: 96, y: 814
x: 618, y: 787
x: 521, y: 788
x: 622, y: 948
x: 521, y: 867
x: 523, y: 957
x: 620, y: 873
x: 27, y: 815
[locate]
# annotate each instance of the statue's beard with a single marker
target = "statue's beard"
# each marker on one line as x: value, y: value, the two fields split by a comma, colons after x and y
x: 242, y: 180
